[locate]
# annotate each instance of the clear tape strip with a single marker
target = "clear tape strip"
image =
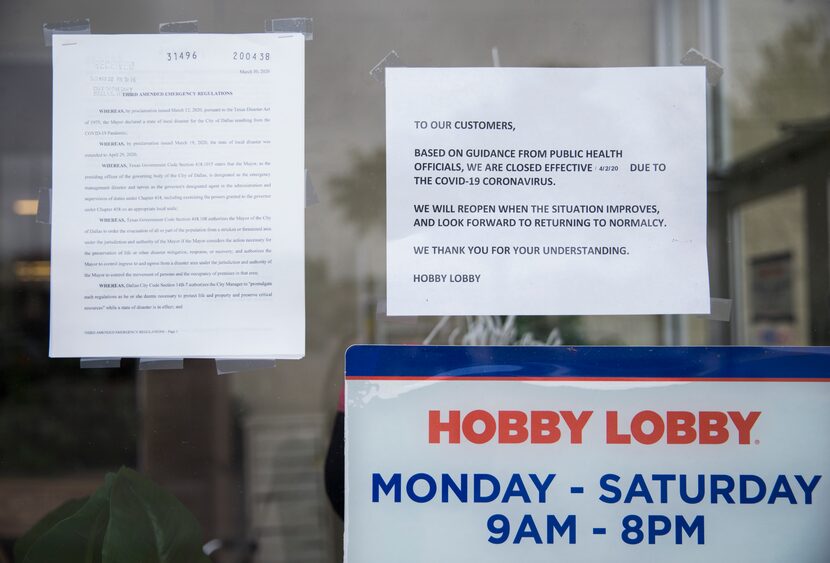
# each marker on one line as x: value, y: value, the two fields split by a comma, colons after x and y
x: 189, y: 26
x: 78, y: 26
x: 44, y: 206
x: 378, y: 72
x: 380, y: 311
x: 310, y: 193
x: 291, y: 25
x: 714, y: 70
x: 97, y: 363
x: 145, y: 364
x: 228, y: 366
x: 719, y: 310
x: 496, y: 58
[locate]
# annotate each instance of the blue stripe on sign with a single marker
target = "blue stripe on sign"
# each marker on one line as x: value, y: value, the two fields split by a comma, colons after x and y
x: 589, y: 361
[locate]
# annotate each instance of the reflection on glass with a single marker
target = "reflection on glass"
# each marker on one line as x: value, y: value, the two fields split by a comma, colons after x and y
x: 244, y: 452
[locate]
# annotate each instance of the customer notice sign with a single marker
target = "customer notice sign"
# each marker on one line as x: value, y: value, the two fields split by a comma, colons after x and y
x: 546, y: 191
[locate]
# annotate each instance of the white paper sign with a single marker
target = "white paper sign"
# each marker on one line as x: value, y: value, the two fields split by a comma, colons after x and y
x: 546, y: 191
x: 178, y: 196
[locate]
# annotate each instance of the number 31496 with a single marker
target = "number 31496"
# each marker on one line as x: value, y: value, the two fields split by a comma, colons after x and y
x: 181, y: 55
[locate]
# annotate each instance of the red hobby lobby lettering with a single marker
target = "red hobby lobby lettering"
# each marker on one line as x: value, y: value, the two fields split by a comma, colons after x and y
x: 549, y: 427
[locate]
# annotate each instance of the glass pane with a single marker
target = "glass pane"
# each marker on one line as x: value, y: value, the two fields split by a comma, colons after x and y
x: 245, y: 452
